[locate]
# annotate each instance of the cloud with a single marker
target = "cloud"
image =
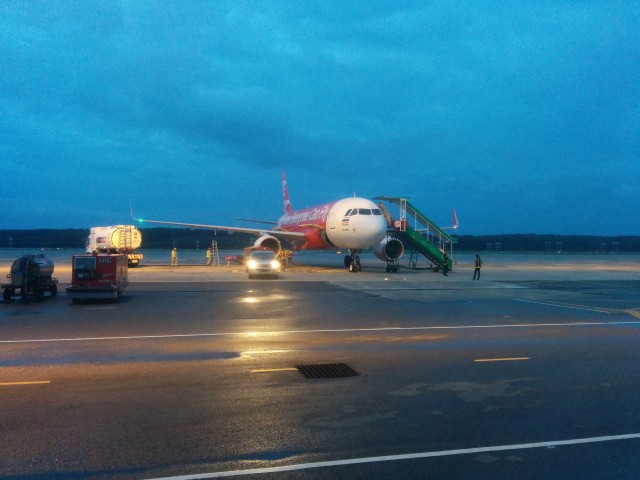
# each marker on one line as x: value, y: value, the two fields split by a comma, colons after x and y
x: 440, y: 103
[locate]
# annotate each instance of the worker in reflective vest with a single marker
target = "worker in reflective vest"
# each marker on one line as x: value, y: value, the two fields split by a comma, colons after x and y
x: 282, y: 257
x: 478, y: 265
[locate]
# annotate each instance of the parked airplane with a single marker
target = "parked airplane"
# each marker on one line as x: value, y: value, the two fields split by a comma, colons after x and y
x: 352, y: 224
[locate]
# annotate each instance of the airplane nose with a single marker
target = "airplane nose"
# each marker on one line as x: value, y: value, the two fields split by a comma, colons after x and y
x: 374, y: 228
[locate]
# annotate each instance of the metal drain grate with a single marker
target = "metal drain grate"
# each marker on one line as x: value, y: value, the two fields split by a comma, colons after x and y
x: 327, y: 370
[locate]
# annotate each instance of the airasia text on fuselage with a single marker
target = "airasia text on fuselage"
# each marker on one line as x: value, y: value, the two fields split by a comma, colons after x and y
x: 311, y: 215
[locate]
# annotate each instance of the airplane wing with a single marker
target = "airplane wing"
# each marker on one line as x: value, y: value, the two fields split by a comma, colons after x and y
x: 256, y: 221
x: 288, y: 236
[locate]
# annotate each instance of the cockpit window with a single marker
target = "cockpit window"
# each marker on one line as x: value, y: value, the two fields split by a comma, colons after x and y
x: 362, y: 211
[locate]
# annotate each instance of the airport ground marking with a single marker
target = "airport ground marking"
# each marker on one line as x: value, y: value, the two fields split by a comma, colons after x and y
x: 35, y: 382
x: 507, y: 359
x: 408, y: 456
x: 269, y: 370
x: 633, y: 313
x: 314, y: 331
x: 561, y: 305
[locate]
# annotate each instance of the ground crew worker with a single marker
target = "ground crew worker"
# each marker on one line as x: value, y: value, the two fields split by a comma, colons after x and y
x: 289, y: 255
x: 209, y: 257
x: 445, y: 267
x: 174, y: 257
x: 478, y: 265
x: 283, y: 259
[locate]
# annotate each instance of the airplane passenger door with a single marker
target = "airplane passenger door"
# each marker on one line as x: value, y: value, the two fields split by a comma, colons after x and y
x: 331, y: 220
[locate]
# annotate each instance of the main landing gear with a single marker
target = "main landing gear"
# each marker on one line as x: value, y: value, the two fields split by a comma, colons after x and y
x: 352, y: 261
x: 393, y: 266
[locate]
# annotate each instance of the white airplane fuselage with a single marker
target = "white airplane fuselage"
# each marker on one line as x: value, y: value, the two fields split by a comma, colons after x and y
x: 351, y: 223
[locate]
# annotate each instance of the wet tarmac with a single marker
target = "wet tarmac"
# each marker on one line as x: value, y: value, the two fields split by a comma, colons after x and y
x: 529, y: 373
x: 327, y: 266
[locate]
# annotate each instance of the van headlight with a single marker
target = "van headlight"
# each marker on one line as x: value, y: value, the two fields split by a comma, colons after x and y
x: 275, y: 264
x: 252, y: 264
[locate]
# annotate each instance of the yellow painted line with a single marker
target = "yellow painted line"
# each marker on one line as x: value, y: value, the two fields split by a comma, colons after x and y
x: 39, y: 382
x: 266, y: 370
x: 508, y: 359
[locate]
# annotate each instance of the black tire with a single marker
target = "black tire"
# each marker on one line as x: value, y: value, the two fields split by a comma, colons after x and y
x: 53, y: 289
x: 38, y: 292
x: 347, y: 261
x: 7, y: 294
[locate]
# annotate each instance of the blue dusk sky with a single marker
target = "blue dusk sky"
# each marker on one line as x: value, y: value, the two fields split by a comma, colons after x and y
x: 522, y: 115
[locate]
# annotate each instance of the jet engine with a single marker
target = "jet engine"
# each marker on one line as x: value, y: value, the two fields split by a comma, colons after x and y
x: 270, y: 242
x: 389, y: 249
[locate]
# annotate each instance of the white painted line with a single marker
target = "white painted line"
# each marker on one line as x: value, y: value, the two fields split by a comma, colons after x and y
x: 409, y: 456
x: 573, y: 307
x: 255, y: 334
x: 269, y: 370
x: 508, y: 359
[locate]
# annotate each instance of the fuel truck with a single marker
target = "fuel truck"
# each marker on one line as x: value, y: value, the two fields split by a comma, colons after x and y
x: 122, y: 239
x: 30, y: 274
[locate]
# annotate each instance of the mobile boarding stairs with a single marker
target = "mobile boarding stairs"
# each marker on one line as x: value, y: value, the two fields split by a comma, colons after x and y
x: 419, y: 234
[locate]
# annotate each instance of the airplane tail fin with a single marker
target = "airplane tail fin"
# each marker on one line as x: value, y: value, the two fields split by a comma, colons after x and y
x: 286, y: 204
x: 132, y: 215
x: 454, y: 219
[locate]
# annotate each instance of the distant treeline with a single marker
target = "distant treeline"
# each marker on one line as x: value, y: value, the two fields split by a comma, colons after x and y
x: 152, y: 238
x: 184, y: 238
x: 548, y: 243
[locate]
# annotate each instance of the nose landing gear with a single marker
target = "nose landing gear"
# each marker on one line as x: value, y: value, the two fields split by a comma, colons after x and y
x: 352, y: 261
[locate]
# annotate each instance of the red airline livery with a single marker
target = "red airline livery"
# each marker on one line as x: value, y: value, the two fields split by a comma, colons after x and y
x: 353, y: 224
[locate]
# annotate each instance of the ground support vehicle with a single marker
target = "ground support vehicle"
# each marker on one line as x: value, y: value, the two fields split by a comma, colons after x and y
x: 124, y: 239
x: 262, y: 263
x: 246, y: 252
x: 30, y: 274
x: 98, y: 277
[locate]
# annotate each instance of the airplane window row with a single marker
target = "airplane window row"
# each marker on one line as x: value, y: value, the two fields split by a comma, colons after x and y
x: 362, y: 211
